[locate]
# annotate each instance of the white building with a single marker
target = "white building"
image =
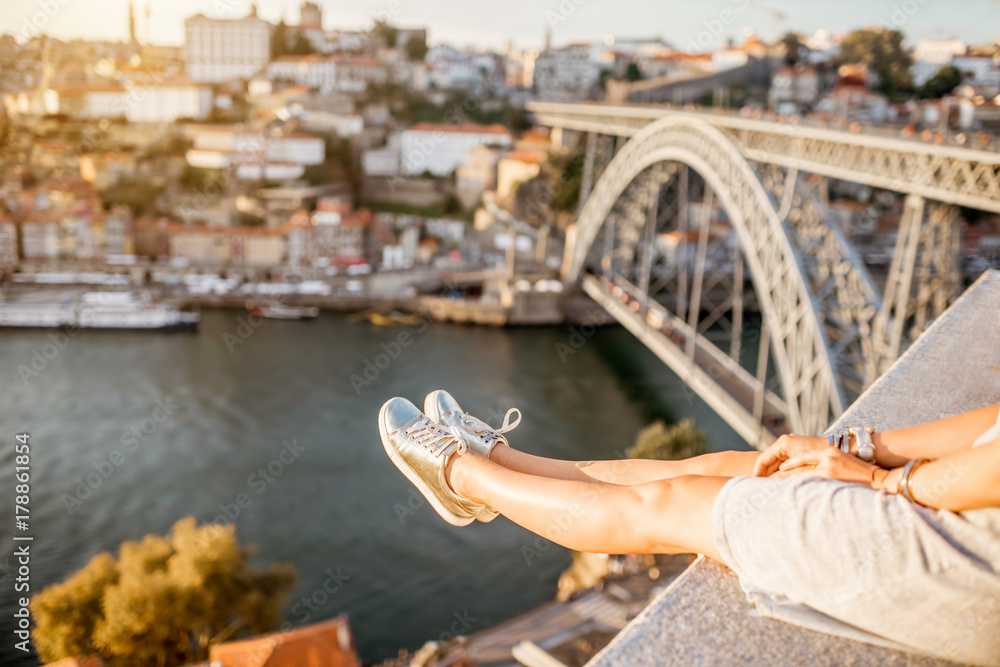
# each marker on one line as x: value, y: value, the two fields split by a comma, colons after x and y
x: 383, y: 161
x: 442, y: 148
x: 341, y: 124
x: 221, y: 50
x: 566, y: 74
x: 251, y: 152
x: 313, y: 71
x: 87, y: 102
x: 167, y: 101
x: 793, y: 87
x: 979, y: 71
x: 929, y: 56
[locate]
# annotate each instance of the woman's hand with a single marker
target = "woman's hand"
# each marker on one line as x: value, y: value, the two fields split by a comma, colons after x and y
x: 832, y: 463
x: 785, y: 448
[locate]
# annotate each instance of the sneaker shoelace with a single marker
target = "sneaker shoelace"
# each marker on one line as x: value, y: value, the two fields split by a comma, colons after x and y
x: 436, y: 438
x: 485, y: 431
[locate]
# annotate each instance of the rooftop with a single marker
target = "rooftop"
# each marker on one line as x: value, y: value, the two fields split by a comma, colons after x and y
x: 472, y: 128
x: 704, y: 617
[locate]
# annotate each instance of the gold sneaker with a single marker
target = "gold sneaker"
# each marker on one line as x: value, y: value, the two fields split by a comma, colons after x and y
x: 441, y: 407
x: 420, y: 449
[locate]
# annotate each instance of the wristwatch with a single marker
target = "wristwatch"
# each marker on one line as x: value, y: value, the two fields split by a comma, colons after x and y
x: 866, y: 448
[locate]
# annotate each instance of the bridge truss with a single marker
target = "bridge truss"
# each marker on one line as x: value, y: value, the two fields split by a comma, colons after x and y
x: 682, y: 227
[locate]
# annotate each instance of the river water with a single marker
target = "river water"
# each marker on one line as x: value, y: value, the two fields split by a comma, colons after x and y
x: 229, y: 400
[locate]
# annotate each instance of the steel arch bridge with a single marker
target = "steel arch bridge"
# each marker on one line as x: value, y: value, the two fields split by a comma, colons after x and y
x: 672, y: 263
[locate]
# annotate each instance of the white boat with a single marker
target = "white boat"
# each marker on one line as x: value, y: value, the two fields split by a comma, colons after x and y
x: 280, y: 312
x: 98, y: 310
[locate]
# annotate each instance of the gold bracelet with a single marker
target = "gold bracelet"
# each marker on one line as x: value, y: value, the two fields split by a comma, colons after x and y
x: 904, y: 479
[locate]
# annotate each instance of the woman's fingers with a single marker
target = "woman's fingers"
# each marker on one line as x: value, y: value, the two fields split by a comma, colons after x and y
x: 798, y: 461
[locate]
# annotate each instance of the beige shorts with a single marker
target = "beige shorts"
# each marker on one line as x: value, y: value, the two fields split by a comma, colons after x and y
x: 847, y: 560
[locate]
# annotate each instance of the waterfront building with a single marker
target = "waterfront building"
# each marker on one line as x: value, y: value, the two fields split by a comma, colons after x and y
x: 218, y: 50
x: 440, y: 148
x: 515, y: 168
x: 9, y: 251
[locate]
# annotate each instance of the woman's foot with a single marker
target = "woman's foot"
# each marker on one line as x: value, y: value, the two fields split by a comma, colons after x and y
x: 421, y: 449
x: 442, y: 408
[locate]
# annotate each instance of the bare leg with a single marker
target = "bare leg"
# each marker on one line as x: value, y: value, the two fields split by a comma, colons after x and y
x: 626, y: 471
x: 667, y: 516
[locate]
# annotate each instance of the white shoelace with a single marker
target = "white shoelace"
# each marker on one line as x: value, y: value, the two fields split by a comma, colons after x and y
x: 487, y: 432
x: 436, y: 438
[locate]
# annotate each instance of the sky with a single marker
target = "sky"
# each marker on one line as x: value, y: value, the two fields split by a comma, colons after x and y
x: 690, y: 25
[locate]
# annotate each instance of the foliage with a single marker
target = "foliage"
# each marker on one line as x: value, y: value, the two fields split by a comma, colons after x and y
x: 565, y: 176
x: 947, y: 79
x: 793, y: 48
x: 287, y: 43
x: 416, y: 47
x: 452, y: 205
x: 138, y: 195
x: 882, y: 51
x: 200, y: 179
x: 632, y: 72
x: 386, y: 32
x: 667, y: 443
x: 164, y: 602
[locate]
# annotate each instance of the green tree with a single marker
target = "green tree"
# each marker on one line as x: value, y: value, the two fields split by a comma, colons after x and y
x: 386, y: 32
x: 667, y: 443
x: 416, y: 46
x: 165, y: 601
x: 632, y: 72
x: 285, y: 42
x: 945, y: 80
x: 882, y: 51
x: 793, y: 49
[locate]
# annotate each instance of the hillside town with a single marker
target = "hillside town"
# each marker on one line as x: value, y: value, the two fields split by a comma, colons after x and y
x: 291, y: 167
x: 363, y: 162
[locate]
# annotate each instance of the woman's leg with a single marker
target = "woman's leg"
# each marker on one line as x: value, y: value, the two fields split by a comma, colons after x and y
x: 626, y: 471
x: 667, y: 516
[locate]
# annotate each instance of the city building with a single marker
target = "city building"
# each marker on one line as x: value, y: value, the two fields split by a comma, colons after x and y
x: 314, y: 71
x: 515, y: 168
x: 440, y: 148
x: 929, y: 56
x: 323, y: 644
x: 566, y: 74
x: 281, y: 158
x: 168, y: 101
x: 354, y: 73
x: 9, y: 246
x: 218, y: 50
x: 87, y: 102
x: 791, y: 88
x: 383, y: 161
x: 102, y: 170
x: 479, y: 172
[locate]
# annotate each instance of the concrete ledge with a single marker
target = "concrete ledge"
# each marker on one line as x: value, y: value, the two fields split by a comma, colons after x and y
x: 704, y: 617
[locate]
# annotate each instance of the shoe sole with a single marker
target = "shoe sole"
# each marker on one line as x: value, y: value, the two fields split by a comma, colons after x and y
x: 430, y: 409
x: 414, y: 478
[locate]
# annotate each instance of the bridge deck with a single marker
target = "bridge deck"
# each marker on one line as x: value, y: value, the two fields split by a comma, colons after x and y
x: 719, y: 380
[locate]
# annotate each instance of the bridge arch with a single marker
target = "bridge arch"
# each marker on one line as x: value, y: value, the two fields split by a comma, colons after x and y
x: 801, y: 352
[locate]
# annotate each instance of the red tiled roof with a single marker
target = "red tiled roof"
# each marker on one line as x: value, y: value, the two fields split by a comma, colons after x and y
x: 472, y: 128
x: 324, y: 644
x: 533, y: 157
